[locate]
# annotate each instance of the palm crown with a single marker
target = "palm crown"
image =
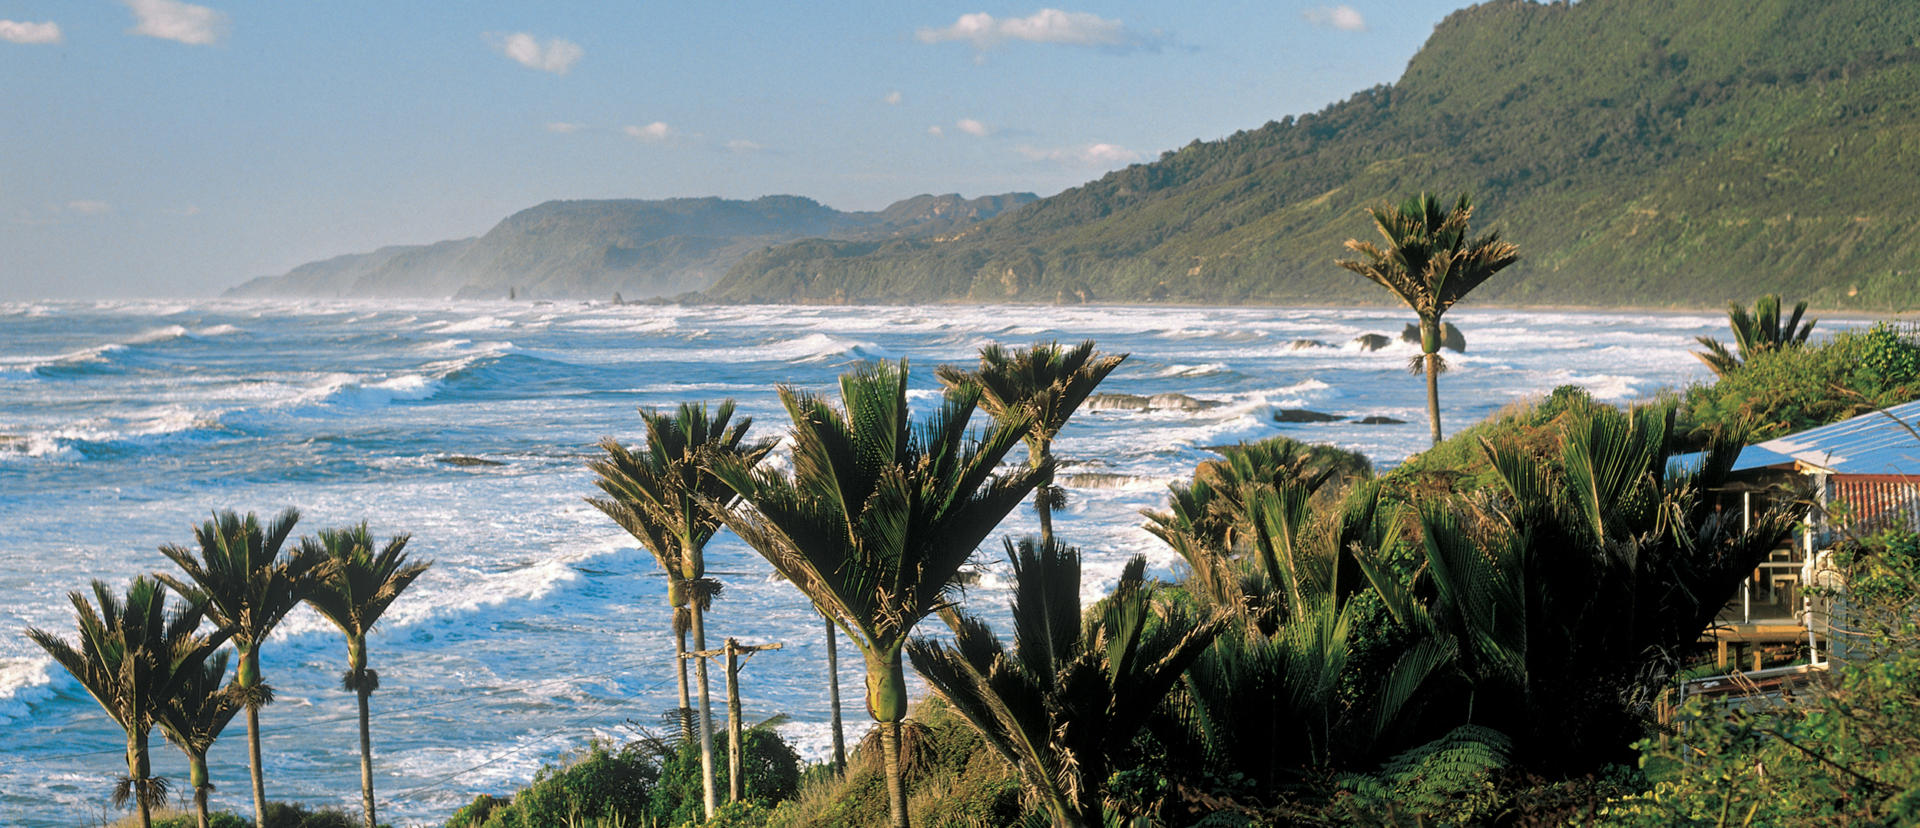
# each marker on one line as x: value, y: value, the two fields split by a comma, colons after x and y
x: 1428, y: 260
x: 658, y: 494
x: 879, y: 513
x: 1755, y: 333
x: 1046, y: 383
x: 359, y: 584
x: 245, y: 583
x: 133, y: 656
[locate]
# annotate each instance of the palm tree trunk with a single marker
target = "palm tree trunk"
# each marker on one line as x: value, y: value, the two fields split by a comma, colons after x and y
x: 197, y: 763
x: 896, y: 781
x: 706, y: 713
x: 680, y: 670
x: 138, y: 768
x: 1430, y: 345
x: 833, y: 691
x: 1043, y: 496
x: 249, y: 679
x: 366, y: 758
x: 253, y: 764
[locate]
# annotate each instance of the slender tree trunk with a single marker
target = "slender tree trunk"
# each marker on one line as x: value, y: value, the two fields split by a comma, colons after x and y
x: 896, y: 781
x: 1043, y: 496
x: 139, y: 767
x: 680, y: 670
x: 249, y: 679
x: 1430, y: 345
x: 706, y: 712
x: 833, y: 691
x: 366, y: 758
x: 197, y: 764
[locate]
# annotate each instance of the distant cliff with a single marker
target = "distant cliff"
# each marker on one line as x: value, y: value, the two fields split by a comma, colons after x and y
x: 594, y: 249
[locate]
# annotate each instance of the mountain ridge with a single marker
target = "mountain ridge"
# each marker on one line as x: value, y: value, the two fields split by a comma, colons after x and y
x: 596, y: 248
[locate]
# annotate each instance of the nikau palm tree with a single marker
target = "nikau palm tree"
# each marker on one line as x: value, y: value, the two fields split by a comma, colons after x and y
x: 133, y: 656
x: 247, y: 587
x: 661, y: 496
x: 1428, y: 260
x: 194, y: 718
x: 877, y: 518
x: 353, y: 592
x: 1046, y: 383
x: 1755, y: 333
x: 1069, y: 698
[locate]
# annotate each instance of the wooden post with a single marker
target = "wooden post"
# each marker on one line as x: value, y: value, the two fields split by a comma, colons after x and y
x: 733, y: 720
x: 734, y: 652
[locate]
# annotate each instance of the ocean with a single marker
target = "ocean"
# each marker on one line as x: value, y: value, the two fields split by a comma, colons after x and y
x: 542, y: 625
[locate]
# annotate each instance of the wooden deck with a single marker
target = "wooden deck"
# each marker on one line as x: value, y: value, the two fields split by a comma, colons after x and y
x: 1753, y: 639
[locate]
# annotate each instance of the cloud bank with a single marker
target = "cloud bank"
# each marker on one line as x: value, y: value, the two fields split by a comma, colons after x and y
x: 983, y: 31
x: 1344, y: 18
x: 556, y: 55
x: 23, y: 32
x: 177, y: 21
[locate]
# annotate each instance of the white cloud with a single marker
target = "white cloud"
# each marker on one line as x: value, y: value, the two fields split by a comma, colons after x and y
x: 556, y: 55
x: 89, y: 208
x: 741, y: 145
x: 656, y: 131
x: 984, y: 31
x: 971, y: 127
x: 564, y: 127
x: 1086, y: 155
x: 22, y: 32
x: 891, y: 98
x: 936, y: 131
x: 1344, y: 18
x: 174, y: 20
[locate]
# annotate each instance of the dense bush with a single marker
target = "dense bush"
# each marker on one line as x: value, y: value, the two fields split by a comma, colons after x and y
x: 1788, y: 390
x: 771, y: 767
x: 602, y: 782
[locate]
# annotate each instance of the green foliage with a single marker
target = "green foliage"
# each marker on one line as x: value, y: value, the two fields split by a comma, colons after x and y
x: 1782, y: 391
x: 957, y: 780
x: 279, y: 815
x: 771, y: 766
x: 1452, y: 780
x: 1644, y: 153
x: 1890, y: 354
x: 602, y: 782
x: 1460, y: 465
x: 1883, y: 570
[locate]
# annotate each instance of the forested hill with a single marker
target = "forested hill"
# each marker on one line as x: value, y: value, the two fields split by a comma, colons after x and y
x: 596, y: 248
x: 1640, y: 152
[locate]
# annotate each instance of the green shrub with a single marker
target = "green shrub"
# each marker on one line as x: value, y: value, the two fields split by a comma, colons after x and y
x: 600, y: 783
x: 1788, y: 390
x: 771, y: 767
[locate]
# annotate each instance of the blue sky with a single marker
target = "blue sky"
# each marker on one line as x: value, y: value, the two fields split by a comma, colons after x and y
x: 163, y: 148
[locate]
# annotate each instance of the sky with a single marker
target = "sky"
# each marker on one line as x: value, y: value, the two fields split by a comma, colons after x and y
x: 158, y: 148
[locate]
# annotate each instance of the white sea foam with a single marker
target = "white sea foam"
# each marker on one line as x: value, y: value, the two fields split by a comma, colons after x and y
x: 1203, y: 370
x: 23, y: 683
x: 216, y: 330
x: 476, y: 324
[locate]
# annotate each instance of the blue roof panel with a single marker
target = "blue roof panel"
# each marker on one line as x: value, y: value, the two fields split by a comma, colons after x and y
x: 1871, y: 443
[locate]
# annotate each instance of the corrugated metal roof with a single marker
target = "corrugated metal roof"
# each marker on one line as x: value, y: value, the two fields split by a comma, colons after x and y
x: 1871, y: 443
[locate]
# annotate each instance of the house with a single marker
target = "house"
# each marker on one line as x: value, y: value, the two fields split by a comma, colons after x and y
x: 1860, y: 476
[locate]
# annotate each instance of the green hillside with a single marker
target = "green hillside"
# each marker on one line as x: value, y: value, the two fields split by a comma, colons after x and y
x: 1641, y: 152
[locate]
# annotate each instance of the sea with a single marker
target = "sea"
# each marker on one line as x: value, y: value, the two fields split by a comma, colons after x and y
x: 542, y: 626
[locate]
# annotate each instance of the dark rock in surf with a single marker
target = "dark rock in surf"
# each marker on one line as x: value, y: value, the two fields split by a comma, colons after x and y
x: 1372, y: 342
x: 1303, y: 344
x: 1302, y: 415
x: 465, y: 461
x: 1379, y: 420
